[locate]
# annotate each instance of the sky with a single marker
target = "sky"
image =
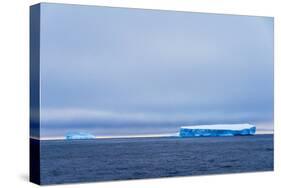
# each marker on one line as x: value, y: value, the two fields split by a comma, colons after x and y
x: 117, y: 71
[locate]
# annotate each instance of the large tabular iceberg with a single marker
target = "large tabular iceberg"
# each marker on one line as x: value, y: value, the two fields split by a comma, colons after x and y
x: 217, y: 130
x: 78, y: 135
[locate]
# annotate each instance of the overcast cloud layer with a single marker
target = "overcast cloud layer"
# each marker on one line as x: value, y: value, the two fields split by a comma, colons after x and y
x: 127, y: 71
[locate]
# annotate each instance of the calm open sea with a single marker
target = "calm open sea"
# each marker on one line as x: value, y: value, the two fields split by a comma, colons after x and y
x: 65, y: 161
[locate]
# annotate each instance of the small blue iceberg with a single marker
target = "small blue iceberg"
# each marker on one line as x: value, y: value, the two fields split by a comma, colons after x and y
x: 78, y: 136
x: 217, y: 130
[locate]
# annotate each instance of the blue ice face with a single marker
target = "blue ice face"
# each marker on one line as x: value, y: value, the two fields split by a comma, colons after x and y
x: 186, y: 132
x: 78, y: 135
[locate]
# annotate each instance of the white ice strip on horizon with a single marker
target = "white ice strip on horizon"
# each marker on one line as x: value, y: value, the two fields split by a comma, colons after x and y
x: 108, y: 137
x: 141, y: 136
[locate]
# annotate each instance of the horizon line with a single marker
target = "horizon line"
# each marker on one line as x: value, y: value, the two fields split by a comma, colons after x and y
x: 130, y: 136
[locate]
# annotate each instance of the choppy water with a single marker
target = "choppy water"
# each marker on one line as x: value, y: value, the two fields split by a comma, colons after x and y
x: 135, y: 158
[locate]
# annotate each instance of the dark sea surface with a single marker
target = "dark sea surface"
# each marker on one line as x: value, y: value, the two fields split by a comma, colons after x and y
x: 65, y: 161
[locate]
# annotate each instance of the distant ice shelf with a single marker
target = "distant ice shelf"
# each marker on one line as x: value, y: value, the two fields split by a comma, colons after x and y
x: 217, y: 130
x: 78, y: 135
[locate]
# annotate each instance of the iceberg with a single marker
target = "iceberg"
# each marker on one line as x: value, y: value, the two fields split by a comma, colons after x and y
x: 78, y: 135
x: 217, y: 130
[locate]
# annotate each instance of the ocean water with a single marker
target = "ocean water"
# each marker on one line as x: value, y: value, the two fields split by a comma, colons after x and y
x: 72, y: 161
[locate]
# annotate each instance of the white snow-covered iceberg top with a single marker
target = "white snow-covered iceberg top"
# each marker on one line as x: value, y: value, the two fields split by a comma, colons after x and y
x: 78, y: 135
x: 217, y: 130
